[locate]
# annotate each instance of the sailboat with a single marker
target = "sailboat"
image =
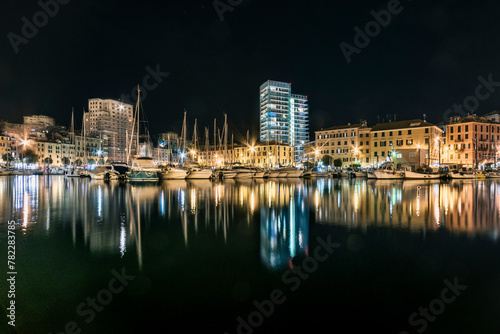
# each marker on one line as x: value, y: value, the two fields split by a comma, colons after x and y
x: 177, y: 173
x: 195, y: 171
x: 84, y: 172
x: 142, y: 168
x: 73, y: 172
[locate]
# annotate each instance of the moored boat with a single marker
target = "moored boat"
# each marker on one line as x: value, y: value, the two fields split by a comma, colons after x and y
x: 243, y: 172
x: 291, y: 171
x: 419, y: 176
x: 360, y: 175
x: 143, y: 169
x: 388, y: 171
x: 195, y: 171
x: 174, y: 173
x: 273, y: 173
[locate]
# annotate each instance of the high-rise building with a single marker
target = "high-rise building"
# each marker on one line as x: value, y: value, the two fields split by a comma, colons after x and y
x: 284, y: 117
x: 111, y: 119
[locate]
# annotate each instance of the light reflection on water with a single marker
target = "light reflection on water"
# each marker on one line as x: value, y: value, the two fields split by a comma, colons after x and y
x: 111, y: 218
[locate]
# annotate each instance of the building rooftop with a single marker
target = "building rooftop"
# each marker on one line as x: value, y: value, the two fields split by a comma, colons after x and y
x: 347, y: 126
x: 472, y: 118
x: 408, y: 124
x: 494, y: 112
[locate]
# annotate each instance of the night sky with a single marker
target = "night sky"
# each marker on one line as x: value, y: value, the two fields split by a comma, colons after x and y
x: 426, y: 59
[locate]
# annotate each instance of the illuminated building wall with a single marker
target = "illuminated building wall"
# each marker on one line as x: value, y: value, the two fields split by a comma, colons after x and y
x: 390, y: 139
x: 343, y: 142
x: 5, y: 146
x: 470, y: 140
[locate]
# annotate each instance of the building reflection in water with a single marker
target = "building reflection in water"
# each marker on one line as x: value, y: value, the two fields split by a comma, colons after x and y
x: 468, y: 206
x: 284, y: 223
x: 113, y: 218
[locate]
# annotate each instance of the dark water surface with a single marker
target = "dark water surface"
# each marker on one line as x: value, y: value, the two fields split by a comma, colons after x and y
x: 266, y: 256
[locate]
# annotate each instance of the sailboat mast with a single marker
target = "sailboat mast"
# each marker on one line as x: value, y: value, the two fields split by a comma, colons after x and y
x: 215, y: 135
x: 184, y: 133
x: 72, y: 133
x: 207, y: 144
x: 136, y: 114
x: 84, y: 139
x: 137, y: 108
x: 195, y: 135
x: 225, y: 140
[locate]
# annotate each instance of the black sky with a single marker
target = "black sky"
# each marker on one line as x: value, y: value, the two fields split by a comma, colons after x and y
x: 424, y: 61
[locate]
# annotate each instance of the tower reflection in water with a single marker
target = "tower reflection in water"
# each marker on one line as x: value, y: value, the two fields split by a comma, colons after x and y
x: 284, y: 223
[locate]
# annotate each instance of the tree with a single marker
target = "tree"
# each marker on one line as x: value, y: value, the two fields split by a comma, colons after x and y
x: 7, y: 158
x: 327, y: 160
x: 29, y: 156
x: 65, y: 160
x: 78, y: 162
x: 337, y: 162
x: 48, y: 160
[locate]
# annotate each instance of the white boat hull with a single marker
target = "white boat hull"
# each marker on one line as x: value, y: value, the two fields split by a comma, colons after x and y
x: 461, y: 176
x: 244, y: 175
x: 282, y: 174
x: 174, y: 174
x: 226, y: 175
x: 294, y: 173
x: 420, y: 176
x: 200, y: 174
x: 259, y: 175
x: 273, y: 174
x: 388, y: 176
x: 360, y: 174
